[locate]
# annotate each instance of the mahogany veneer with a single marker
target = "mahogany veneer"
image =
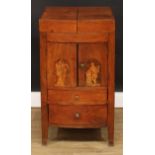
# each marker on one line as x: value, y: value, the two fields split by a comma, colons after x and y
x: 77, y: 58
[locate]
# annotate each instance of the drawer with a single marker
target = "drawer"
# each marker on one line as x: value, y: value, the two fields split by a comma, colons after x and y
x: 78, y: 96
x: 78, y: 116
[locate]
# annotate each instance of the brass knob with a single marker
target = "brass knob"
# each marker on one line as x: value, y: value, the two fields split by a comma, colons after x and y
x: 77, y: 115
x: 77, y: 97
x: 82, y: 65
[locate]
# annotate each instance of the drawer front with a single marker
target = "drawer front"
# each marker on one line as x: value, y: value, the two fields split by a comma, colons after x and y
x: 78, y: 116
x: 78, y: 97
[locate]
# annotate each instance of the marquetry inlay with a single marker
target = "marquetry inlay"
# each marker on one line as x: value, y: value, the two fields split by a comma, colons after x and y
x: 92, y: 74
x: 62, y: 71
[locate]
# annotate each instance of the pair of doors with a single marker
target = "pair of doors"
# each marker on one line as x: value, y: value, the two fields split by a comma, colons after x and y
x: 76, y: 65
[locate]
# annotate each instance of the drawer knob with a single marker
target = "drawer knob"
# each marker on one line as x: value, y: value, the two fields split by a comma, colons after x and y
x: 77, y: 97
x: 77, y: 115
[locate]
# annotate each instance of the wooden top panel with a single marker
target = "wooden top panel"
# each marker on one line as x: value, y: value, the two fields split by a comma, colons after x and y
x: 94, y: 13
x: 66, y: 13
x: 75, y: 13
x: 76, y: 19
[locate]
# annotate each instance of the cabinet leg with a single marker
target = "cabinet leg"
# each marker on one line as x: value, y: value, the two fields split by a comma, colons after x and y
x: 111, y: 136
x: 44, y: 122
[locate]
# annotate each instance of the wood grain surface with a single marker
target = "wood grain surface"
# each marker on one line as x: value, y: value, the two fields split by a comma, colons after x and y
x: 77, y: 37
x: 76, y: 141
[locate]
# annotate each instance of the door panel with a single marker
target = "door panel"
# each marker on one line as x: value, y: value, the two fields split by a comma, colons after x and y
x: 92, y: 64
x: 61, y: 65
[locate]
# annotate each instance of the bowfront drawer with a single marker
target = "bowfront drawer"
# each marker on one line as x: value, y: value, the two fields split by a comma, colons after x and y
x: 78, y: 116
x: 78, y: 97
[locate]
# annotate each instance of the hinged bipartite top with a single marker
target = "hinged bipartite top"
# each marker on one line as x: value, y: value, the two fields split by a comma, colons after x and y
x: 77, y: 19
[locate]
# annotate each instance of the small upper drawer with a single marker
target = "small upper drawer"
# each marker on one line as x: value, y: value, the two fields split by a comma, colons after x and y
x: 83, y: 96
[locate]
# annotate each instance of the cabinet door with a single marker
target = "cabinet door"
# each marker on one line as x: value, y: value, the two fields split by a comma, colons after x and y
x: 61, y: 65
x: 92, y: 65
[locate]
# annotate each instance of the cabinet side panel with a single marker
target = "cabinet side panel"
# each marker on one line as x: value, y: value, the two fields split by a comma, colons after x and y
x: 61, y: 65
x: 43, y: 83
x: 111, y: 86
x: 43, y: 72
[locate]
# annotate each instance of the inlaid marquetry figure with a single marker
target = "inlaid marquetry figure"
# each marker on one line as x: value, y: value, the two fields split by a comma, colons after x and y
x: 62, y: 69
x: 92, y: 74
